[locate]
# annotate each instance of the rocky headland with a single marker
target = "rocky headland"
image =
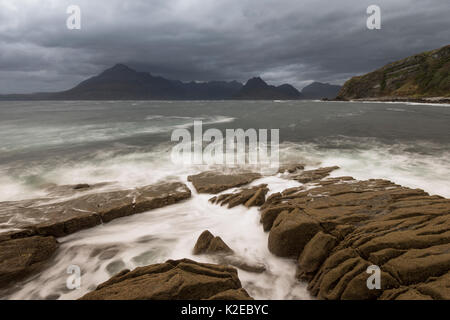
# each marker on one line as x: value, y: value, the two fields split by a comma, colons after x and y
x: 422, y: 78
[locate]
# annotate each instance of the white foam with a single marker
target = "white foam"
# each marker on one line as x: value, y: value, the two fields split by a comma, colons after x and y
x: 171, y: 233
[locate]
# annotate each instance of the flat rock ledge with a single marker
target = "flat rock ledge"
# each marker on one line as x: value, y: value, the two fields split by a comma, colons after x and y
x: 173, y: 280
x: 38, y: 222
x: 215, y: 182
x: 50, y: 217
x: 336, y: 228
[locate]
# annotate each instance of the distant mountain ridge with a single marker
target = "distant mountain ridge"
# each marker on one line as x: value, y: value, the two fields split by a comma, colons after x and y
x: 123, y: 83
x: 258, y: 89
x: 319, y: 90
x: 423, y: 75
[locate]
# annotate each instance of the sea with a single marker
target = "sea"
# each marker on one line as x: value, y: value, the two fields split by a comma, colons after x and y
x: 128, y: 144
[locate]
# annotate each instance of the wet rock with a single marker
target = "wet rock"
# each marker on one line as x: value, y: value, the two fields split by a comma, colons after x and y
x: 242, y: 263
x: 221, y: 253
x: 21, y: 257
x: 313, y: 175
x: 355, y: 224
x: 16, y: 234
x: 208, y: 244
x: 404, y: 293
x: 291, y: 167
x: 215, y: 182
x: 255, y: 196
x: 107, y: 254
x: 232, y: 294
x: 315, y: 252
x: 115, y: 266
x: 70, y: 190
x: 60, y: 218
x: 269, y: 214
x: 173, y: 280
x: 290, y: 233
x: 81, y: 186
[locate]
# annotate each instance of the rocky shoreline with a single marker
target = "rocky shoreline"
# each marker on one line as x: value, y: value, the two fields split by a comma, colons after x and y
x: 335, y: 228
x: 431, y: 100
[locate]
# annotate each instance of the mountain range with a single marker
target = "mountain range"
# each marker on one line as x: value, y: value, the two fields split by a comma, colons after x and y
x: 123, y: 83
x: 421, y: 76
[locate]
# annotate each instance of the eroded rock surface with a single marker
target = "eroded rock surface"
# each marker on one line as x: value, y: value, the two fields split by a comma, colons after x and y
x: 215, y: 182
x: 341, y: 226
x: 173, y: 280
x: 59, y: 218
x: 250, y: 197
x: 20, y: 257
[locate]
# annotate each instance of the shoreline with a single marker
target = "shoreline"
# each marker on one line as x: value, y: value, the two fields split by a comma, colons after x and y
x: 323, y: 224
x: 427, y: 101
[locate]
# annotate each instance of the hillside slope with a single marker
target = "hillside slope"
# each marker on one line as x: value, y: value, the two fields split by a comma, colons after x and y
x: 423, y: 75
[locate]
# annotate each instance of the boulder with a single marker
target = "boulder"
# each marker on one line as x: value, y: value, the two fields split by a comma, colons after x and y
x: 23, y: 256
x: 215, y: 182
x: 208, y: 244
x: 173, y: 280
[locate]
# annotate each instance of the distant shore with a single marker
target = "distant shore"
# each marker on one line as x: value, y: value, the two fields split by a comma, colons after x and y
x: 437, y: 100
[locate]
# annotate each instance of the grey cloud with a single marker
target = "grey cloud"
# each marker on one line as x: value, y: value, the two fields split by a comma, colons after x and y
x: 282, y: 40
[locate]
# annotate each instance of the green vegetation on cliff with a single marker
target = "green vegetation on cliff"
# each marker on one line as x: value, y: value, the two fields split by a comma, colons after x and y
x: 420, y: 76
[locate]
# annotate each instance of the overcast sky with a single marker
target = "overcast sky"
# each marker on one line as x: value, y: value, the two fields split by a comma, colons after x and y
x: 294, y: 41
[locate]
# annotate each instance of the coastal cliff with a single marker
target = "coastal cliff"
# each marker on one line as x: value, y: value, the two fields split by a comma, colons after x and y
x: 424, y: 75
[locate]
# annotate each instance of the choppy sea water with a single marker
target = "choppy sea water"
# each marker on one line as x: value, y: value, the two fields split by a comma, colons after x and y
x: 128, y: 143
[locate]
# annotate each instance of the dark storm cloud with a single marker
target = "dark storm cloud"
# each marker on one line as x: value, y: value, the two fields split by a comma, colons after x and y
x: 291, y: 41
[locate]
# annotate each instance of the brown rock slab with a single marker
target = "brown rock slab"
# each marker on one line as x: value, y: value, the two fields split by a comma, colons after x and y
x: 173, y: 280
x: 313, y: 175
x: 21, y: 257
x: 62, y: 217
x: 215, y: 182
